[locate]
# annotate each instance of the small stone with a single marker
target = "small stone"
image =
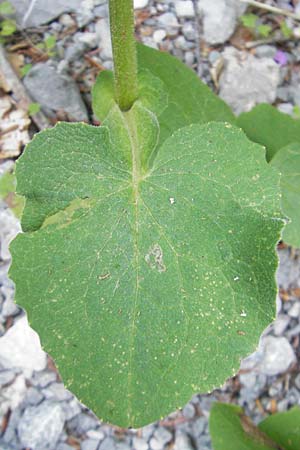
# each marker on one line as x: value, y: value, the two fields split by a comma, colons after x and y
x: 183, y: 442
x: 169, y: 22
x: 148, y: 431
x: 293, y: 396
x: 281, y: 323
x: 139, y: 4
x: 55, y: 91
x: 122, y: 446
x: 265, y: 51
x: 295, y: 310
x: 85, y: 15
x: 159, y: 36
x: 204, y: 442
x: 188, y: 31
x: 9, y: 228
x: 81, y: 423
x: 12, y: 395
x: 33, y: 396
x: 189, y: 58
x: 199, y: 425
x: 71, y: 409
x: 67, y: 21
x: 248, y: 379
x: 64, y: 446
x: 108, y: 444
x: 247, y: 80
x: 89, y: 444
x: 286, y: 108
x: 247, y: 395
x: 96, y: 434
x: 275, y: 390
x: 163, y: 435
x: 89, y: 39
x: 293, y: 331
x: 181, y: 43
x: 288, y: 274
x: 44, y: 378
x: 10, y: 434
x: 213, y: 56
x: 188, y: 411
x: 5, y: 446
x: 178, y: 53
x: 282, y: 405
x: 278, y: 355
x: 297, y: 381
x: 103, y: 35
x: 219, y: 18
x: 283, y: 93
x: 148, y: 40
x: 140, y: 444
x: 34, y: 13
x: 6, y: 377
x: 9, y: 308
x: 20, y: 347
x: 184, y: 8
x: 57, y: 391
x: 40, y: 427
x: 74, y: 51
x: 155, y: 444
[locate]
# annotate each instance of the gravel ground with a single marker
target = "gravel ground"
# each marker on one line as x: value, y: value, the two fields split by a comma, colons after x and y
x: 36, y: 411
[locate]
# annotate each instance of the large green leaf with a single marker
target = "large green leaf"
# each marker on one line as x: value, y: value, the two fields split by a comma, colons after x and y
x: 189, y: 99
x: 143, y: 268
x: 284, y: 428
x: 287, y: 160
x: 266, y: 125
x: 230, y: 428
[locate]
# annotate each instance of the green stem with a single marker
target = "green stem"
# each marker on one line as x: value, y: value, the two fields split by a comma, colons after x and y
x: 124, y: 52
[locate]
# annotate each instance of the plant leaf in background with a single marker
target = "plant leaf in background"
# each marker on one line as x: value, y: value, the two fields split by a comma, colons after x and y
x: 249, y: 20
x: 34, y: 108
x: 189, y: 99
x: 284, y: 428
x: 267, y: 126
x: 287, y: 161
x: 6, y: 8
x: 230, y: 428
x: 280, y: 134
x: 7, y: 193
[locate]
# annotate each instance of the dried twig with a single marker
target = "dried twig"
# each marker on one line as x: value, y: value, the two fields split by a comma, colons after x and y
x: 273, y: 9
x: 16, y: 86
x: 279, y: 40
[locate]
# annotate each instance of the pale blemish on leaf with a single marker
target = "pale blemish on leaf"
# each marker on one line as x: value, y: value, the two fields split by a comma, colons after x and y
x: 154, y: 258
x: 66, y: 217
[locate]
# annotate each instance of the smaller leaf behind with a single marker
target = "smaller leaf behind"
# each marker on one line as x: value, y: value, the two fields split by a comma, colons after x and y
x: 284, y: 428
x: 168, y: 88
x: 152, y: 93
x: 230, y: 428
x: 267, y: 126
x: 287, y: 160
x: 189, y: 99
x: 8, y: 193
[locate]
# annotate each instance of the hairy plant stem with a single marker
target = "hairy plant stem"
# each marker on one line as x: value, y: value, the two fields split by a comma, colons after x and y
x: 124, y: 52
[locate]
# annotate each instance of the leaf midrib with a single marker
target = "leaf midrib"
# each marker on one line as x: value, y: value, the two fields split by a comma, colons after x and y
x: 130, y: 124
